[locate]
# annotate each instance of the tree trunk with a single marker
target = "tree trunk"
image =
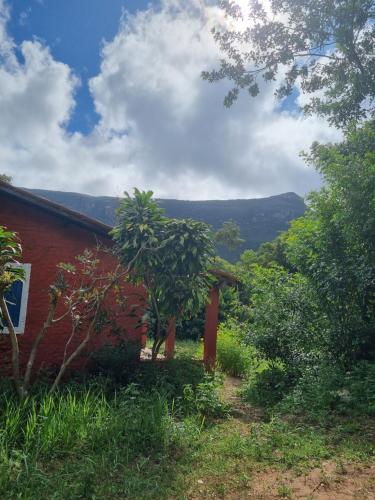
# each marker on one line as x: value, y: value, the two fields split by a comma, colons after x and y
x: 71, y: 358
x: 15, y: 349
x: 37, y: 341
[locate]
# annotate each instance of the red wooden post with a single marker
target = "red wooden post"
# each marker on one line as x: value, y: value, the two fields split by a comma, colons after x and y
x: 170, y: 340
x: 210, y: 329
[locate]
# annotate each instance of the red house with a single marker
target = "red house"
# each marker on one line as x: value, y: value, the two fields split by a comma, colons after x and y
x: 51, y: 234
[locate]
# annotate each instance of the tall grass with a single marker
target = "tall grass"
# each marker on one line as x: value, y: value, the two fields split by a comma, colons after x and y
x: 233, y: 356
x: 102, y: 439
x: 53, y: 425
x: 87, y: 429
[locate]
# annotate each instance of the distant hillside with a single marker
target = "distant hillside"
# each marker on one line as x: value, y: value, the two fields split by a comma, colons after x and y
x: 260, y: 219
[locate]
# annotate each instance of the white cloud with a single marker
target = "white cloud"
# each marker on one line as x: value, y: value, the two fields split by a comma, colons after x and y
x: 161, y: 127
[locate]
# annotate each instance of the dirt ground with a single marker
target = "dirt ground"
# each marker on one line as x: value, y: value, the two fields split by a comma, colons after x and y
x: 330, y: 481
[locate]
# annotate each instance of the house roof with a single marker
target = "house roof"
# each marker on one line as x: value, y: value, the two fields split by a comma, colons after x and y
x: 225, y: 276
x: 72, y: 216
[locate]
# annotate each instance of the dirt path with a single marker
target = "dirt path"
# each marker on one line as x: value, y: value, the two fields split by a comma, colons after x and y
x: 240, y: 410
x: 333, y: 480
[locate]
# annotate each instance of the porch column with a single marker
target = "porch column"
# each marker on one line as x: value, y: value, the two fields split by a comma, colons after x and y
x: 210, y: 329
x: 170, y: 340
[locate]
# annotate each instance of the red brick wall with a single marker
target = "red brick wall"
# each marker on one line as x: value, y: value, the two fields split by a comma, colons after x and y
x: 47, y: 240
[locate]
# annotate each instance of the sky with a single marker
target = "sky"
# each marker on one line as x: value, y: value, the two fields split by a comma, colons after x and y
x: 100, y: 96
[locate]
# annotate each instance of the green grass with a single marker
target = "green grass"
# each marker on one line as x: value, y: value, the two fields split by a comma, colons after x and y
x: 83, y: 444
x: 166, y: 436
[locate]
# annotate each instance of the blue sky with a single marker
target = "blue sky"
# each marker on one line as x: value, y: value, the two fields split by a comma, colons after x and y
x: 97, y: 102
x: 74, y: 30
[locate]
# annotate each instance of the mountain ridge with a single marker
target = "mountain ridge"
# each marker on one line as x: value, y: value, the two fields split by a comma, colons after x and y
x: 260, y: 219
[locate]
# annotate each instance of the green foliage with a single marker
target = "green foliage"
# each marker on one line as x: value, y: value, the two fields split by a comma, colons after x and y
x: 204, y: 398
x: 310, y: 314
x: 286, y: 322
x: 333, y: 246
x: 116, y: 361
x: 268, y: 254
x: 5, y: 178
x: 233, y: 356
x: 325, y: 390
x: 171, y: 258
x: 326, y: 46
x: 229, y: 235
x: 77, y: 434
x: 189, y: 349
x: 267, y: 385
x: 10, y: 256
x: 170, y: 376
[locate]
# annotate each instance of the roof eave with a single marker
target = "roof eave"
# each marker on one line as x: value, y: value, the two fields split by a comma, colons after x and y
x: 56, y: 209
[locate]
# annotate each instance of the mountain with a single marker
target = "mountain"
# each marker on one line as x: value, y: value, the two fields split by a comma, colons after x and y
x: 260, y: 219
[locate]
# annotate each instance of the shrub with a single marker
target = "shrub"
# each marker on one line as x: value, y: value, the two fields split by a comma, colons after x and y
x: 204, y: 398
x: 169, y: 377
x: 233, y: 356
x: 286, y: 324
x: 316, y: 393
x: 326, y: 389
x: 267, y: 385
x: 117, y: 362
x: 360, y: 384
x: 189, y: 349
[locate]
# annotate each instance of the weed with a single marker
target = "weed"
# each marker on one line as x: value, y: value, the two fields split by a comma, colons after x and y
x: 284, y: 491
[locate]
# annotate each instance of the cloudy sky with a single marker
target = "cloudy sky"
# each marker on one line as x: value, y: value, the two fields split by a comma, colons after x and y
x: 99, y: 96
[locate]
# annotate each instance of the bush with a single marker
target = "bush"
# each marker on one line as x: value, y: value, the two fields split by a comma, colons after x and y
x: 360, y: 384
x: 117, y: 362
x: 286, y: 324
x: 189, y: 349
x: 267, y: 385
x: 204, y: 398
x: 326, y: 389
x: 316, y: 393
x: 169, y: 377
x: 233, y: 356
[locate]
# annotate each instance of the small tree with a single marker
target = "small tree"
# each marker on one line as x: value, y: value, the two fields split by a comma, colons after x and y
x: 80, y: 292
x: 10, y: 256
x: 229, y: 235
x: 171, y: 258
x: 5, y: 178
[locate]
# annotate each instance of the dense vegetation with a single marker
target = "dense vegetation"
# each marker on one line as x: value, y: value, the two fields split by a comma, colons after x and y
x: 307, y: 300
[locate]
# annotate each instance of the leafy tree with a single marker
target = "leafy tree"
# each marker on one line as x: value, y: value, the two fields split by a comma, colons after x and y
x: 286, y: 323
x: 229, y: 235
x: 171, y: 258
x: 268, y: 254
x: 326, y: 45
x: 5, y: 178
x: 334, y: 244
x: 80, y: 292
